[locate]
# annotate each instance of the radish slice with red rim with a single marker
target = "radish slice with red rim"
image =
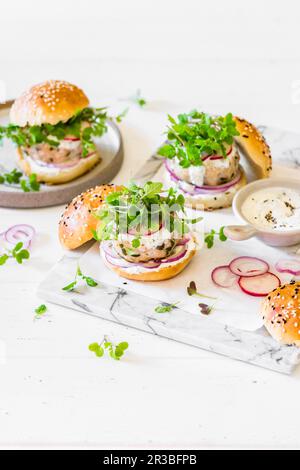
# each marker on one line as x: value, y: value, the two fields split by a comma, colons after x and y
x: 223, y: 277
x: 248, y: 266
x: 259, y: 286
x: 290, y: 266
x: 20, y: 233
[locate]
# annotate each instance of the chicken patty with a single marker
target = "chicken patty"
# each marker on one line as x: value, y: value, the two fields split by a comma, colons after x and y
x: 213, y: 172
x: 147, y: 251
x: 67, y: 151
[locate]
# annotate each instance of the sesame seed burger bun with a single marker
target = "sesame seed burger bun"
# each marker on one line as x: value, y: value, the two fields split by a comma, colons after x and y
x: 161, y: 274
x: 44, y: 174
x: 280, y: 311
x: 254, y: 146
x: 48, y: 103
x: 213, y: 201
x: 77, y: 223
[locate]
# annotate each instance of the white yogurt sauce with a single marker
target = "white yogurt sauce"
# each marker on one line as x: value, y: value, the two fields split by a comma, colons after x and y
x: 273, y: 208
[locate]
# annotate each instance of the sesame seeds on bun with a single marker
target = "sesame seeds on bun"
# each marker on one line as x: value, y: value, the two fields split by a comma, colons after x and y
x: 78, y: 222
x: 280, y: 311
x: 255, y: 147
x: 48, y: 103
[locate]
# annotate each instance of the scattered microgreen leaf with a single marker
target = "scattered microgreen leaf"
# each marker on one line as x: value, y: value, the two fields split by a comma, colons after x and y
x: 15, y: 177
x: 192, y: 290
x: 18, y: 253
x: 165, y: 307
x: 206, y: 309
x: 210, y: 237
x: 41, y: 309
x: 115, y: 351
x: 195, y: 135
x: 3, y: 259
x: 80, y: 276
x: 138, y: 99
x: 120, y: 117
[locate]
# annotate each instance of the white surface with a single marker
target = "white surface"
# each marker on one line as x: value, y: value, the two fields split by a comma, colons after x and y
x: 220, y: 56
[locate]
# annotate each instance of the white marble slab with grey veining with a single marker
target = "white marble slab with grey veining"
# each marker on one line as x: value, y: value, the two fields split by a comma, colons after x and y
x: 137, y: 311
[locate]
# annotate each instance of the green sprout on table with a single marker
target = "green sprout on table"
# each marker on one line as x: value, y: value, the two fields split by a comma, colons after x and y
x: 18, y: 253
x: 78, y: 277
x: 115, y: 351
x: 165, y: 307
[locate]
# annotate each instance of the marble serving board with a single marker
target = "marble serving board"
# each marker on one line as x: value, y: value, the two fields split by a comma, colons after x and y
x: 118, y: 303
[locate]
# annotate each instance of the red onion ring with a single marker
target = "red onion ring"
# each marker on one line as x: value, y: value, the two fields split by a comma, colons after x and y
x: 114, y: 259
x: 63, y: 165
x: 20, y: 233
x: 178, y: 253
x: 203, y: 189
x: 183, y: 241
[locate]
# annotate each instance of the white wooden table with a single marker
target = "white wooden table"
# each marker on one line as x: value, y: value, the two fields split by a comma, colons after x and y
x: 53, y: 391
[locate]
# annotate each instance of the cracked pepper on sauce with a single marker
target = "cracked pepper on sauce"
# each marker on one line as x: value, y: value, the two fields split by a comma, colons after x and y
x: 273, y: 208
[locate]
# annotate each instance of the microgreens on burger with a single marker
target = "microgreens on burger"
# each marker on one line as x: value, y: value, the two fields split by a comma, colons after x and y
x: 84, y: 125
x: 195, y: 135
x: 142, y: 210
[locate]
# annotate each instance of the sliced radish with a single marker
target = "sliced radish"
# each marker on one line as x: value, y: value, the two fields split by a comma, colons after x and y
x: 72, y: 139
x: 223, y: 277
x: 20, y: 233
x: 248, y: 266
x: 216, y: 157
x: 290, y: 266
x: 177, y: 254
x: 259, y: 286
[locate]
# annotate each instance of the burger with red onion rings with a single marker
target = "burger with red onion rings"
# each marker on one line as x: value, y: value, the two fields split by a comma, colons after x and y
x: 202, y: 157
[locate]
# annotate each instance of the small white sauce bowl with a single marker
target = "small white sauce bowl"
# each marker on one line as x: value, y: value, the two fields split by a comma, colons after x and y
x: 273, y: 237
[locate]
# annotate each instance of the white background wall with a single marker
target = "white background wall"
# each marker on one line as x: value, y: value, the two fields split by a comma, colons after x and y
x: 222, y: 55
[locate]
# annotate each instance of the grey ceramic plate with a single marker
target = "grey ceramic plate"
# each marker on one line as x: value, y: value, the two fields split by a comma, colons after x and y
x: 110, y: 147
